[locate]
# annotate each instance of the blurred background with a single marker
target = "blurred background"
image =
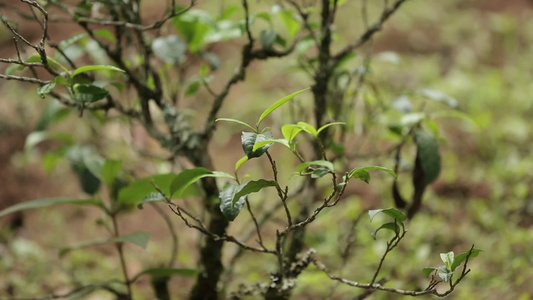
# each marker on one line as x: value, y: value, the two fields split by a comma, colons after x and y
x: 479, y: 52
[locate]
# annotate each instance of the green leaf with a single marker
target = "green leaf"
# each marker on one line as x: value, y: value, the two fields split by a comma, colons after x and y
x: 90, y: 184
x: 48, y: 202
x: 277, y: 104
x: 269, y: 142
x: 152, y: 197
x: 462, y: 257
x: 190, y: 176
x: 138, y: 238
x: 167, y: 272
x: 428, y: 271
x: 249, y: 139
x: 137, y: 191
x: 170, y: 48
x: 253, y: 186
x: 364, y: 175
x: 308, y: 128
x: 87, y: 93
x: 391, y: 212
x: 428, y: 154
x: 319, y: 172
x: 390, y: 226
x: 288, y: 19
x: 268, y: 37
x: 446, y: 276
x: 290, y: 131
x: 235, y: 121
x: 35, y: 138
x: 239, y: 163
x: 192, y: 88
x: 95, y: 68
x: 328, y: 125
x: 45, y: 89
x: 447, y: 259
x: 324, y: 163
x: 229, y: 209
x: 106, y: 34
x: 110, y: 171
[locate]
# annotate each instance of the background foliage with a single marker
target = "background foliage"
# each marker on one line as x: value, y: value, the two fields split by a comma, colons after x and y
x: 478, y: 52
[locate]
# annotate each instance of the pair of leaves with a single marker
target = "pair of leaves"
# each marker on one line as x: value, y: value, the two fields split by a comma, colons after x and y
x: 234, y: 197
x: 451, y: 263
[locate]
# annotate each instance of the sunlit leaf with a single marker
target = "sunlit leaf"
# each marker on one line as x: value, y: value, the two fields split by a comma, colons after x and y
x: 95, y: 68
x: 277, y: 104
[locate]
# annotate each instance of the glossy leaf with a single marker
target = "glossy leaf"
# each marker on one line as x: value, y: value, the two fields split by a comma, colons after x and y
x: 428, y: 154
x: 249, y: 139
x: 48, y: 202
x: 277, y: 104
x: 87, y: 93
x: 229, y: 209
x: 253, y: 186
x: 96, y: 68
x: 391, y: 212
